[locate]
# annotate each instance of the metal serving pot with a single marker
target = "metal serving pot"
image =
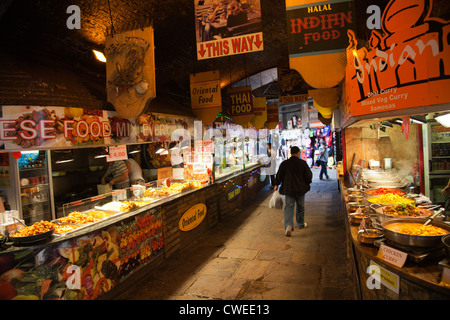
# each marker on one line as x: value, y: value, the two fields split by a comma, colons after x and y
x: 359, y: 198
x: 413, y: 240
x: 355, y: 191
x: 382, y: 215
x: 446, y: 242
x: 367, y: 192
x: 353, y: 206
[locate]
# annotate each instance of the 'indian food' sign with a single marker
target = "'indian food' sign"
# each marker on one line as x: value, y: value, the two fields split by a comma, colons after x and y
x: 407, y: 65
x: 319, y: 27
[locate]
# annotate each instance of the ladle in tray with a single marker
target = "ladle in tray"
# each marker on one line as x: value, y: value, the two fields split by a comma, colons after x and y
x: 434, y: 215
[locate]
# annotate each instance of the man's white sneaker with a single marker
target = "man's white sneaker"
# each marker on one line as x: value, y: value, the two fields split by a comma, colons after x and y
x: 288, y: 231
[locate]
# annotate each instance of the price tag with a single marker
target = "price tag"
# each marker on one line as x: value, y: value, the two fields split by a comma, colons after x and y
x: 117, y: 153
x: 391, y: 255
x: 203, y: 146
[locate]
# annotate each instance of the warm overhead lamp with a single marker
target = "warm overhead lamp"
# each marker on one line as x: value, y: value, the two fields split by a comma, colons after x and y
x: 63, y: 161
x: 134, y: 149
x: 185, y: 144
x: 175, y: 146
x: 419, y: 120
x: 102, y: 154
x: 64, y: 157
x: 444, y: 120
x: 99, y: 55
x: 160, y: 148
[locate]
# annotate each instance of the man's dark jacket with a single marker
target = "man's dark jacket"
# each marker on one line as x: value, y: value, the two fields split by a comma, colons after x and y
x: 295, y: 176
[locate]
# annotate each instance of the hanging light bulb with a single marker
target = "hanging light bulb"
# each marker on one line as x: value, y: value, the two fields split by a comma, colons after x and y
x: 99, y: 55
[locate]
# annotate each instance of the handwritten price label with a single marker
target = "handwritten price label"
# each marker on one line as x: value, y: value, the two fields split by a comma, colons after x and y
x: 117, y: 153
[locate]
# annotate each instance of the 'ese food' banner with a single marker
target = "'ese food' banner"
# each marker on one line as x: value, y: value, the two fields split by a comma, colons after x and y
x: 225, y: 28
x: 406, y: 65
x: 26, y: 127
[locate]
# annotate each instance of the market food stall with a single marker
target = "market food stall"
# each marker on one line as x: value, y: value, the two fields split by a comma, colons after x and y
x: 86, y: 247
x: 395, y: 255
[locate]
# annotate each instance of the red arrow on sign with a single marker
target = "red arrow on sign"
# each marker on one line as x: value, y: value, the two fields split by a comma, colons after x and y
x: 201, y: 51
x: 258, y: 41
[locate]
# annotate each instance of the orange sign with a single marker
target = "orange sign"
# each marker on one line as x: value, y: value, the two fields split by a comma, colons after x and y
x: 407, y: 66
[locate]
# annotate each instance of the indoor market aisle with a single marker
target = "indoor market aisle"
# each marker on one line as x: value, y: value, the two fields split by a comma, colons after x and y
x: 248, y: 257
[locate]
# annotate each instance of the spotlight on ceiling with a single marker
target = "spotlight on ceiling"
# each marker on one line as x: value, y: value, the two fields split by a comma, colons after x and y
x: 99, y: 55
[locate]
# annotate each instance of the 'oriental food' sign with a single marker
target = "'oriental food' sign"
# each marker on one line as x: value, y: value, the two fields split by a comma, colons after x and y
x: 192, y: 217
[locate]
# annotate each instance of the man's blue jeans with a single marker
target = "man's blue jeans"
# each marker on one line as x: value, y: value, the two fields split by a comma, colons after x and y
x: 323, y: 170
x: 291, y: 200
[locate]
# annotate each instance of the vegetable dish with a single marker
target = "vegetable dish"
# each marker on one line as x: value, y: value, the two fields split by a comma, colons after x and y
x: 37, y: 228
x: 406, y: 210
x: 390, y: 198
x: 416, y: 229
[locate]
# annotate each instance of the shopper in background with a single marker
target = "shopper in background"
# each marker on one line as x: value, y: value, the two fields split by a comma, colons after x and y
x: 117, y: 175
x: 446, y: 191
x: 272, y: 165
x: 295, y: 176
x: 323, y: 162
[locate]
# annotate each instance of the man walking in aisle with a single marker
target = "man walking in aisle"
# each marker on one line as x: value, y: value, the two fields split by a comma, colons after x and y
x: 323, y: 161
x: 295, y: 176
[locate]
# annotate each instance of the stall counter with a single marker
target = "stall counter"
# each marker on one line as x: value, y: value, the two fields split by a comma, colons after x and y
x: 414, y: 280
x: 93, y: 262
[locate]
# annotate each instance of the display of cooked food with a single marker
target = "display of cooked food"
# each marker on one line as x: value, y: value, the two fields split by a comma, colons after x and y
x: 77, y: 217
x: 390, y: 198
x: 98, y: 214
x: 173, y: 189
x: 416, y: 229
x: 406, y: 210
x: 65, y: 228
x: 37, y: 228
x: 381, y: 191
x: 130, y: 205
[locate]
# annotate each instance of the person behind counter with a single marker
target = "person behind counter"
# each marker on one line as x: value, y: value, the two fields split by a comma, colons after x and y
x: 235, y: 157
x: 135, y: 172
x: 117, y: 175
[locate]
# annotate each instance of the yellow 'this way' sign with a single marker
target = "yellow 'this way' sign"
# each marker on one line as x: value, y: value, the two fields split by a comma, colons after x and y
x: 192, y: 217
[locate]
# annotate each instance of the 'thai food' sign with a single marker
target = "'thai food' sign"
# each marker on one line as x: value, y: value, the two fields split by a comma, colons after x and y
x: 192, y: 217
x: 241, y: 100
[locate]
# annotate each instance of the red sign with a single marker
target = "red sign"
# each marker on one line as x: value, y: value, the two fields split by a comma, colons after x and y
x: 230, y: 46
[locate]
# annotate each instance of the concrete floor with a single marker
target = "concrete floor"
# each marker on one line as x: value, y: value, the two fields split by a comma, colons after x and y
x: 248, y: 257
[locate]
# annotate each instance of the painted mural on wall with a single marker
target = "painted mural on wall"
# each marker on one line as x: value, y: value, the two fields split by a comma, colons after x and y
x: 406, y: 63
x: 130, y: 71
x: 82, y: 268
